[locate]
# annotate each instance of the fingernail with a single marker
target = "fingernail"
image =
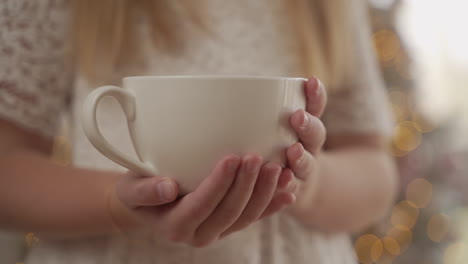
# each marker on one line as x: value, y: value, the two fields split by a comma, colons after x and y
x: 305, y: 120
x: 319, y: 86
x: 314, y: 89
x: 166, y: 190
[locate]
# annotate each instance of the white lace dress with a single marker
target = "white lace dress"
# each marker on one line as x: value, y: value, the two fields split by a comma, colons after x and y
x: 253, y: 38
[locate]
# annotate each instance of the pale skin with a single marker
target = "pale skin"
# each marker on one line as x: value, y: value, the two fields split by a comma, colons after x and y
x: 342, y: 187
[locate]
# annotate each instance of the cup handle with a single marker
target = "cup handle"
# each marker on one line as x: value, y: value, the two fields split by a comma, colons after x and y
x: 126, y: 100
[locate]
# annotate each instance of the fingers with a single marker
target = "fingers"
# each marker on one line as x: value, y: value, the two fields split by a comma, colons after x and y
x: 262, y: 194
x: 136, y: 191
x: 279, y: 202
x: 195, y: 207
x: 287, y: 175
x: 300, y: 161
x: 316, y: 96
x: 231, y: 207
x: 309, y: 129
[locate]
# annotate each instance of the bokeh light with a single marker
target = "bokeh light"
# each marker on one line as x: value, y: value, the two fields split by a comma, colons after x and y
x: 419, y: 193
x: 406, y: 136
x: 456, y: 253
x: 391, y: 246
x: 396, y: 152
x: 368, y: 248
x: 386, y: 44
x: 422, y: 123
x: 31, y: 239
x: 404, y: 215
x: 437, y: 227
x: 403, y: 236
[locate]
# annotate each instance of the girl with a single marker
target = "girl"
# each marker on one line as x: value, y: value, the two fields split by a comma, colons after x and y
x: 95, y: 212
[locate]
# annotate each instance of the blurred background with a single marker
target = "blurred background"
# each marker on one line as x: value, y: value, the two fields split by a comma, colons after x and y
x: 422, y: 48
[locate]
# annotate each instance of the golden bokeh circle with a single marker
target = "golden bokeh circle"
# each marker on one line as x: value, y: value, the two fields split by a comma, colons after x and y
x: 386, y: 44
x: 419, y: 193
x: 395, y: 152
x: 403, y: 236
x: 31, y: 239
x: 391, y: 245
x: 368, y: 248
x: 406, y: 137
x: 421, y: 123
x: 456, y: 253
x: 437, y: 227
x: 404, y: 215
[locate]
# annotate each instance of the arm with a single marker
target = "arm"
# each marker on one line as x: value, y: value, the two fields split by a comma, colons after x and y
x: 63, y: 202
x: 39, y: 195
x: 346, y: 187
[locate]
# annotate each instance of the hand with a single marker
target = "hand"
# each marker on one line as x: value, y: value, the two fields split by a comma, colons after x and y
x: 236, y: 194
x: 302, y: 156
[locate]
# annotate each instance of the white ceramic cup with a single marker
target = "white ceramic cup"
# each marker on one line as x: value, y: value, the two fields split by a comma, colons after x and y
x: 181, y: 126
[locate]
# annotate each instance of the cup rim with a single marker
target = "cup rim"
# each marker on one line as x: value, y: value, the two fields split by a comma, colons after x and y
x: 214, y: 77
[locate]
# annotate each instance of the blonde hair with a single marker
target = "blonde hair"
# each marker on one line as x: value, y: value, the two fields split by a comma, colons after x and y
x: 104, y: 33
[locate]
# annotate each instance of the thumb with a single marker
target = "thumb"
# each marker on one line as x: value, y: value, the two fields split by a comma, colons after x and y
x: 135, y: 191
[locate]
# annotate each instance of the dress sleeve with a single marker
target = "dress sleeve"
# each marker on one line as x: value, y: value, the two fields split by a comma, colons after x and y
x: 360, y: 105
x: 35, y: 73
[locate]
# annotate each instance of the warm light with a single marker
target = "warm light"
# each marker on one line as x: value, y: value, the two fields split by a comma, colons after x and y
x: 30, y: 239
x: 404, y: 215
x: 419, y: 193
x: 368, y: 248
x: 406, y: 137
x: 437, y: 227
x: 391, y: 246
x: 386, y: 44
x: 456, y: 253
x: 394, y: 151
x: 402, y: 236
x: 421, y: 123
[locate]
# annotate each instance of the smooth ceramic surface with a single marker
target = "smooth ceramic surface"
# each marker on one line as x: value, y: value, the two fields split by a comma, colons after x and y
x: 181, y: 125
